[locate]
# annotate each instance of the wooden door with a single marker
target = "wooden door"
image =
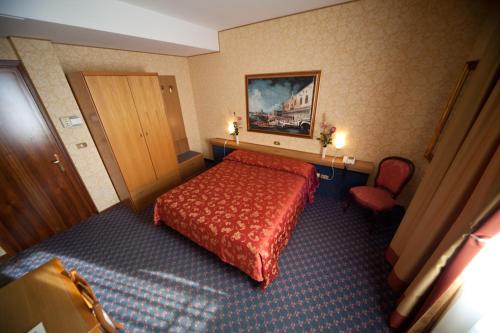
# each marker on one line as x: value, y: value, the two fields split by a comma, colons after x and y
x: 41, y: 192
x: 149, y: 105
x: 174, y: 113
x: 116, y: 109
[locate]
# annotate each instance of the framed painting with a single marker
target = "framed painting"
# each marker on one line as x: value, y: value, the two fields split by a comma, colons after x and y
x: 282, y: 103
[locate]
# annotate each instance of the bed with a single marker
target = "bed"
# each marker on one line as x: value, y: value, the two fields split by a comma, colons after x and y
x: 244, y: 209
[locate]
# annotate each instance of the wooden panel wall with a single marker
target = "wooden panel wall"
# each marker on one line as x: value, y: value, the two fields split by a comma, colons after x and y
x: 149, y: 105
x: 174, y: 113
x: 126, y: 115
x: 112, y: 96
x: 89, y: 111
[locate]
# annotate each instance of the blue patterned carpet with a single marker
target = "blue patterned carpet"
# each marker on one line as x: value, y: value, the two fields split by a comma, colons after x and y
x: 332, y: 275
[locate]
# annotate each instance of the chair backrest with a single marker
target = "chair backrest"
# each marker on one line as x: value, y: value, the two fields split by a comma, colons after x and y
x: 394, y: 173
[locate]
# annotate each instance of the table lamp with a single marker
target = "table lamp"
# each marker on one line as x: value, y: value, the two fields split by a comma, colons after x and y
x: 339, y: 140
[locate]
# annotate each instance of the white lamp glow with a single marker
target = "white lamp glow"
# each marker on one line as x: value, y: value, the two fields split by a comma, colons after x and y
x: 481, y: 278
x: 475, y: 307
x: 230, y: 127
x: 339, y: 140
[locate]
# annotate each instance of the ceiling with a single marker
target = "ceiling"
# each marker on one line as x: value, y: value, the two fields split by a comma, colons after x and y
x: 225, y: 14
x: 175, y: 27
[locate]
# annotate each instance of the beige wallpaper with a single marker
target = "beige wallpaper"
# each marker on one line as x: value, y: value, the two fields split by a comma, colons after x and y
x: 79, y: 58
x: 45, y: 71
x: 6, y: 50
x: 46, y: 64
x: 387, y: 70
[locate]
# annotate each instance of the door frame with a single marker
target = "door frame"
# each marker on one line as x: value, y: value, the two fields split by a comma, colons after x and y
x: 70, y: 168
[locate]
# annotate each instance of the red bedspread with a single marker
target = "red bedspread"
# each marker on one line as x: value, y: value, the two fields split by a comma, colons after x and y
x: 243, y: 209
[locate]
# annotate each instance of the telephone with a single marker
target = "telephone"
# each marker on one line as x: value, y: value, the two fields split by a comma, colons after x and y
x: 348, y: 160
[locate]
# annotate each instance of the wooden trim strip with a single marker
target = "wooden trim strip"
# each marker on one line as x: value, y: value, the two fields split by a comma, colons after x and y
x: 98, y: 73
x: 359, y: 166
x: 468, y: 68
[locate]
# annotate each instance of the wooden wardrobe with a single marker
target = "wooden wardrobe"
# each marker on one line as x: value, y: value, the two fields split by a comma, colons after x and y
x: 126, y: 117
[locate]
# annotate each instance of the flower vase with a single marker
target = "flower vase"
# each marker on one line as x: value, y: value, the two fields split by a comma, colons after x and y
x: 323, y: 152
x: 237, y: 139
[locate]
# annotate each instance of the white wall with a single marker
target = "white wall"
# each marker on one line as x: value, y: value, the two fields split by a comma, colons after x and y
x: 82, y: 24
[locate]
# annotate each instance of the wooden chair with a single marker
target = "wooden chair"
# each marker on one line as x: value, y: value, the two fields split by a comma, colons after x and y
x: 393, y: 174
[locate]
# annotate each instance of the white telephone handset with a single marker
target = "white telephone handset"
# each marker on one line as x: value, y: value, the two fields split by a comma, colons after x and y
x: 348, y: 160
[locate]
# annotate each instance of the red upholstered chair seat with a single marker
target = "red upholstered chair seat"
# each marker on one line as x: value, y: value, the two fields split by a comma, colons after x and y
x: 393, y: 174
x: 376, y: 199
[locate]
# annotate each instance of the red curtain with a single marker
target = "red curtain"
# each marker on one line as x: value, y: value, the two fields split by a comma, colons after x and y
x: 471, y: 247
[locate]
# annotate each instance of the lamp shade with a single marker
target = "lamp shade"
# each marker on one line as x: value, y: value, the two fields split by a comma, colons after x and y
x: 339, y: 140
x: 230, y: 127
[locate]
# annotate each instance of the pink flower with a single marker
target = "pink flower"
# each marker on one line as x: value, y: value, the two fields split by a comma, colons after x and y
x: 333, y: 129
x: 239, y: 118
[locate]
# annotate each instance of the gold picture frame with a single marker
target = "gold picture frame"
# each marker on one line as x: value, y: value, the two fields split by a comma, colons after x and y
x: 282, y: 103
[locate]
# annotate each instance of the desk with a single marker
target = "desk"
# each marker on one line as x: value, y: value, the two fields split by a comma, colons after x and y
x: 45, y: 295
x: 344, y: 178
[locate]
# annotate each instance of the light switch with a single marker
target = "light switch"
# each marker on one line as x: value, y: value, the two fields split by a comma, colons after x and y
x: 71, y: 121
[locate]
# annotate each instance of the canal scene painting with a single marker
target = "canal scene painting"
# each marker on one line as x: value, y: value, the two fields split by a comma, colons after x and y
x: 283, y: 103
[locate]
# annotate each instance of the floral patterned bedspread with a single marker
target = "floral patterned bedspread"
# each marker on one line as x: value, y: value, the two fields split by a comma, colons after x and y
x: 243, y: 209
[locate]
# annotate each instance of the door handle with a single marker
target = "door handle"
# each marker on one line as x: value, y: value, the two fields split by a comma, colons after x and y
x: 57, y: 161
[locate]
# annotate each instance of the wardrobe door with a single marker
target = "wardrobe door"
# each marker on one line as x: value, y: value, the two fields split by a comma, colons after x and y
x: 149, y: 105
x: 116, y: 109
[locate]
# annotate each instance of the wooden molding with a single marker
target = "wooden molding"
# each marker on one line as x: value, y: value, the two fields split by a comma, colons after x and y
x: 99, y: 73
x: 173, y: 111
x: 469, y: 67
x: 359, y: 166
